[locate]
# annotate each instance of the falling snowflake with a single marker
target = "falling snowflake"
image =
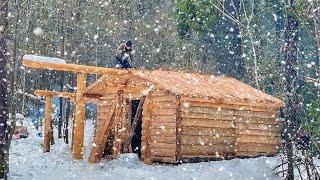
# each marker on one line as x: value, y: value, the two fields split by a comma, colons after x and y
x: 38, y: 31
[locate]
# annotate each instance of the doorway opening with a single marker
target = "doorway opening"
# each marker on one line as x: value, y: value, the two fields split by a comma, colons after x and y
x: 136, y: 112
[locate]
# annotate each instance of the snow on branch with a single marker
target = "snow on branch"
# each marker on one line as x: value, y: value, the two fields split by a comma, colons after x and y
x: 30, y: 95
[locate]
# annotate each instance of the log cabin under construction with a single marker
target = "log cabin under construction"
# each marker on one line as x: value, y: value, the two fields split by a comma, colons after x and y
x: 169, y: 116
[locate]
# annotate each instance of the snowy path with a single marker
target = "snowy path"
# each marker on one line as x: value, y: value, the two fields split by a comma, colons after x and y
x: 28, y: 162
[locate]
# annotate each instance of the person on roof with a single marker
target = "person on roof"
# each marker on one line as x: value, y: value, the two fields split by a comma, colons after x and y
x: 124, y: 57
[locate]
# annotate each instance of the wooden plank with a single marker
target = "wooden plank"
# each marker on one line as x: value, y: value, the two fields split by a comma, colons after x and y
x: 160, y: 92
x: 207, y: 131
x: 256, y: 147
x: 166, y: 131
x: 206, y: 150
x: 163, y: 152
x: 254, y: 132
x: 146, y: 129
x: 158, y: 145
x: 259, y: 139
x: 227, y: 112
x: 101, y: 137
x: 47, y: 125
x: 232, y: 102
x: 117, y: 119
x: 55, y: 93
x: 159, y: 99
x: 206, y: 116
x: 206, y: 140
x: 254, y: 120
x: 128, y: 111
x: 164, y: 119
x: 157, y: 125
x: 73, y: 67
x: 178, y: 128
x: 204, y: 110
x: 159, y: 139
x: 254, y: 154
x: 79, y: 117
x: 192, y: 122
x: 165, y: 112
x: 208, y: 104
x: 165, y: 105
x: 262, y: 127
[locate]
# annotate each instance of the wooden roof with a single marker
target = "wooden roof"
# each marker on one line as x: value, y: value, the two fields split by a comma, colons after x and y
x: 181, y: 83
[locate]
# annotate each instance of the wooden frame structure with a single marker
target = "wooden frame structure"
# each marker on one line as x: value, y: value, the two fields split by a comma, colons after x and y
x: 79, y: 97
x: 184, y: 115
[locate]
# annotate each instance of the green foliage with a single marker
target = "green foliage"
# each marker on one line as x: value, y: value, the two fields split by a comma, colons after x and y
x: 195, y: 15
x: 314, y: 115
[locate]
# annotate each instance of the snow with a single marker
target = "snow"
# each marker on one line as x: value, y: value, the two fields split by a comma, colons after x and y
x: 19, y: 116
x: 27, y: 161
x: 44, y: 59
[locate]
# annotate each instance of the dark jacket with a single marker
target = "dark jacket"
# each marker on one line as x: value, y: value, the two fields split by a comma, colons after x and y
x: 124, y: 59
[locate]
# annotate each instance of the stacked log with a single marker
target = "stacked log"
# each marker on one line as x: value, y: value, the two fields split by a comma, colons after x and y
x: 103, y: 108
x: 258, y: 133
x: 207, y: 130
x: 159, y: 128
x: 211, y: 129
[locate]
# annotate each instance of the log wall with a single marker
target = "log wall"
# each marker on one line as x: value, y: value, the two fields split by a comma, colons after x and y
x: 207, y: 131
x: 159, y: 128
x: 219, y: 130
x: 257, y: 133
x: 103, y: 108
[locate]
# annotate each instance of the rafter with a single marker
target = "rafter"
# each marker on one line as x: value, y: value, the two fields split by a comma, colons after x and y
x: 71, y: 67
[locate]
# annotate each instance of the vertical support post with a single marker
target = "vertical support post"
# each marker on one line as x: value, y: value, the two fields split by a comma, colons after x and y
x: 119, y: 113
x: 147, y: 123
x: 79, y: 117
x: 178, y: 129
x: 47, y: 125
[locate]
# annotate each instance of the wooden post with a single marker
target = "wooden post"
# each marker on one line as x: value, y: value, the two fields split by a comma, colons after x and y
x: 79, y: 117
x: 101, y: 137
x: 47, y: 125
x: 178, y: 129
x: 119, y: 114
x: 147, y: 122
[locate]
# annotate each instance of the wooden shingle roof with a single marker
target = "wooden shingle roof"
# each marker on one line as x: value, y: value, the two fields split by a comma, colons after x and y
x: 184, y: 83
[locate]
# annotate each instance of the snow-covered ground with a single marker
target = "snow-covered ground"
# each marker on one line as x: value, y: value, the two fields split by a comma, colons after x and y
x: 27, y: 161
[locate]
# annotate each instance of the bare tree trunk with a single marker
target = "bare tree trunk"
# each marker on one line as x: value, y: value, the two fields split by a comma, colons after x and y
x: 236, y: 62
x: 290, y: 87
x: 316, y: 30
x: 4, y: 128
x: 66, y: 123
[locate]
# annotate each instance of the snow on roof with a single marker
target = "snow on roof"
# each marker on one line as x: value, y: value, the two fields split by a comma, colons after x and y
x: 193, y: 85
x: 44, y: 59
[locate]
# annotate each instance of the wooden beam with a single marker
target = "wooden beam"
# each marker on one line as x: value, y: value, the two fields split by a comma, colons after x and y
x: 178, y: 129
x: 55, y: 93
x: 117, y: 120
x: 79, y: 117
x: 101, y: 136
x: 72, y: 96
x: 147, y: 124
x: 47, y: 125
x: 71, y: 67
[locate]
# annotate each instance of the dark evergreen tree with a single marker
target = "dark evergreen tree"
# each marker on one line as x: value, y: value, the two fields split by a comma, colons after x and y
x: 4, y: 119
